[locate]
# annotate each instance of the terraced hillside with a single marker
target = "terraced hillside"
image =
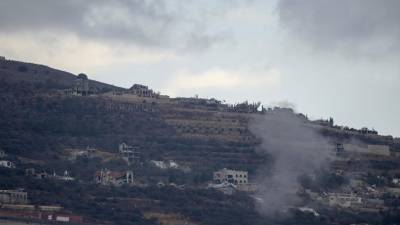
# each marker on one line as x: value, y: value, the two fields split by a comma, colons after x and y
x: 42, y: 119
x: 46, y: 126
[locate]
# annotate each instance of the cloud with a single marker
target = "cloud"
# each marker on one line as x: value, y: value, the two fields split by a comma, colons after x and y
x: 359, y: 26
x: 69, y: 52
x: 145, y: 23
x: 141, y: 22
x: 78, y: 35
x: 218, y: 78
x: 249, y: 13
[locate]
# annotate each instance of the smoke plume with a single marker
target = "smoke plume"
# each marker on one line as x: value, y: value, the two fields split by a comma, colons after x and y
x: 296, y: 149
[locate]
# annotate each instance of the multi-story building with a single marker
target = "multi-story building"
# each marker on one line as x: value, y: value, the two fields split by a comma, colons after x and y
x: 230, y: 176
x: 128, y: 153
x: 18, y: 196
x: 142, y: 91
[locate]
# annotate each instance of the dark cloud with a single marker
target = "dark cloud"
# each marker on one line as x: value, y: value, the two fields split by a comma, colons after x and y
x: 142, y: 22
x: 368, y: 26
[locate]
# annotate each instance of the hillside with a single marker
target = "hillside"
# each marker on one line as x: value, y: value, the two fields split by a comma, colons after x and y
x: 45, y: 115
x: 49, y: 124
x: 14, y: 72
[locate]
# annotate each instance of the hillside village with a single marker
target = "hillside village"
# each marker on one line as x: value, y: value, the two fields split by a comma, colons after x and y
x: 128, y: 152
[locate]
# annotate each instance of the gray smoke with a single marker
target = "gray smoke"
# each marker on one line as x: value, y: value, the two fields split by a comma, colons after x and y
x: 296, y: 149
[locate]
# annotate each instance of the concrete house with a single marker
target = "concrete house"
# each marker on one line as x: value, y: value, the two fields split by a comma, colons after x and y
x: 344, y: 200
x: 142, y: 91
x: 128, y: 153
x: 18, y: 196
x: 230, y: 176
x: 378, y: 150
x: 7, y: 164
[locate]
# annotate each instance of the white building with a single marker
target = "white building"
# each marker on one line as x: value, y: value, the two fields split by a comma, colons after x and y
x: 230, y: 176
x: 344, y: 200
x: 165, y: 165
x: 8, y: 164
x: 380, y: 150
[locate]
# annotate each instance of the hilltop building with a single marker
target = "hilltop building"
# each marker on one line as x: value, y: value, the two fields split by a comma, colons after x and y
x: 81, y: 85
x: 230, y: 176
x: 18, y: 196
x: 113, y: 178
x: 326, y: 123
x: 137, y: 91
x: 142, y: 91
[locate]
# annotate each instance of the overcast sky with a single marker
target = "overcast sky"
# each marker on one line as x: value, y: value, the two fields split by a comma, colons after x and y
x: 326, y: 58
